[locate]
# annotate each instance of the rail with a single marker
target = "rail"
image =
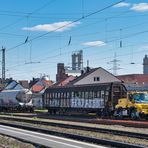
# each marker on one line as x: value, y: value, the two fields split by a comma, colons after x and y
x: 87, y: 119
x: 76, y: 137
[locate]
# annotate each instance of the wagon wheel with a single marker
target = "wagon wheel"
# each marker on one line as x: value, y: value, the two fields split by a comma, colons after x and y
x: 133, y: 114
x: 120, y: 113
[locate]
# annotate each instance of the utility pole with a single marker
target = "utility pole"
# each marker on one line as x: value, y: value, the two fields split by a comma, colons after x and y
x: 3, y: 65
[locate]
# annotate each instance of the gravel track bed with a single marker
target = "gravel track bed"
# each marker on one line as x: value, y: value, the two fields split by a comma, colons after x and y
x: 88, y: 133
x: 8, y: 142
x: 113, y: 127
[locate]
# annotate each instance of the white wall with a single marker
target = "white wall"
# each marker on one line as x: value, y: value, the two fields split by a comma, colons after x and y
x: 104, y: 76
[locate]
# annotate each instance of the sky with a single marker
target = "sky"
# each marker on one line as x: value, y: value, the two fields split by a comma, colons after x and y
x: 36, y: 35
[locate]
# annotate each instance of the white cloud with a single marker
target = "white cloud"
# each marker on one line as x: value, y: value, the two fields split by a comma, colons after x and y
x: 57, y: 27
x: 94, y: 43
x: 122, y: 4
x: 141, y: 7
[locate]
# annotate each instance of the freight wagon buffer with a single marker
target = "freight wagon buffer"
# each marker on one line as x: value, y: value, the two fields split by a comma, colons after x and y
x: 97, y: 98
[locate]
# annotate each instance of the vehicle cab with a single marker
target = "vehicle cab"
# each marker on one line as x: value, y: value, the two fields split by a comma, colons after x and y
x: 140, y: 102
x: 134, y: 106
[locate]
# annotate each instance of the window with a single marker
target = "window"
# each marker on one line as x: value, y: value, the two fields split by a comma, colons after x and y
x: 86, y: 95
x: 73, y: 94
x: 83, y: 94
x: 95, y: 94
x: 59, y: 95
x: 102, y: 94
x: 90, y: 95
x: 65, y: 95
x: 96, y: 78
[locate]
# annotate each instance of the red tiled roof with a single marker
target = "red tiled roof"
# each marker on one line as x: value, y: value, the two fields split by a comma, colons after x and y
x: 37, y: 88
x: 40, y: 85
x: 134, y: 78
x: 65, y: 81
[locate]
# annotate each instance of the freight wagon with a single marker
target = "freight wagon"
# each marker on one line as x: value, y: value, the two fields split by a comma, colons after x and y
x: 16, y: 100
x: 96, y: 98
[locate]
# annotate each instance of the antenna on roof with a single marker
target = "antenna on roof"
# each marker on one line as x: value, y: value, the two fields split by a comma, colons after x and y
x: 132, y: 62
x: 120, y: 38
x: 87, y: 68
x: 87, y: 63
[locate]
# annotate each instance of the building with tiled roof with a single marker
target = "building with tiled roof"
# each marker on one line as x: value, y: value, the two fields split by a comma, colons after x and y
x: 38, y: 89
x: 95, y: 76
x: 64, y: 82
x: 41, y: 84
x: 134, y: 78
x: 135, y: 81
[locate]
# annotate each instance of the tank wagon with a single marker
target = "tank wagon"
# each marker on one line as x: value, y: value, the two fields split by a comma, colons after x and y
x: 97, y: 98
x: 16, y: 100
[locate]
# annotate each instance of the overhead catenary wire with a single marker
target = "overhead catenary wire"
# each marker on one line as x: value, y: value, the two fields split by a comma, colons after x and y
x: 124, y: 37
x: 126, y: 27
x: 48, y: 15
x: 127, y: 36
x: 103, y: 19
x: 74, y: 21
x: 98, y: 59
x: 77, y: 20
x: 66, y: 25
x: 109, y: 41
x: 104, y: 58
x: 28, y: 14
x: 11, y: 24
x: 45, y: 5
x: 69, y: 24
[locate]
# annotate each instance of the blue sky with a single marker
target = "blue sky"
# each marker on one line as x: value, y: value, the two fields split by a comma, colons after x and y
x: 98, y: 35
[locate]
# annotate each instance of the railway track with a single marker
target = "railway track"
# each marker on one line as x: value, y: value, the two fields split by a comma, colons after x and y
x: 80, y: 127
x: 105, y: 142
x: 87, y: 119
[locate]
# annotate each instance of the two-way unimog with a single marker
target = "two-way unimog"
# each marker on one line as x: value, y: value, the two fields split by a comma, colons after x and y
x: 134, y: 106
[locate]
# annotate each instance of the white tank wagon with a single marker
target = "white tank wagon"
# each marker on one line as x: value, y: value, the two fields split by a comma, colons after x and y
x: 18, y: 100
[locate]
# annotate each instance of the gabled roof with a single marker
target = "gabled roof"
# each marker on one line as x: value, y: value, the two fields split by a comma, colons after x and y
x: 14, y: 85
x: 88, y: 73
x: 82, y: 76
x: 40, y: 85
x: 65, y: 81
